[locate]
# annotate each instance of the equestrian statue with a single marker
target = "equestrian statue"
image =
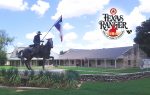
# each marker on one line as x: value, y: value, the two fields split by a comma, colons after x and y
x: 36, y: 50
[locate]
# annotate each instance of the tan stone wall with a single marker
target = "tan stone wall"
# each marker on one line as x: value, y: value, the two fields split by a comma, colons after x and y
x: 133, y: 57
x: 119, y: 63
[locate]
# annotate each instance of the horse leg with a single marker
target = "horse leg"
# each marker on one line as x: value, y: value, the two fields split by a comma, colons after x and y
x: 26, y: 63
x: 22, y: 60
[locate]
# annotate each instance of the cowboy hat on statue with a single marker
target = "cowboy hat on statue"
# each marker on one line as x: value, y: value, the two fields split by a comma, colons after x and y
x: 49, y: 42
x: 39, y: 33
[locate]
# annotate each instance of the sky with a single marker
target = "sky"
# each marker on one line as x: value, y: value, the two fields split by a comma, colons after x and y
x: 22, y: 19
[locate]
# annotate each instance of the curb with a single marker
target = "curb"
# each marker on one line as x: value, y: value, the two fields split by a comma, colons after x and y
x: 25, y: 88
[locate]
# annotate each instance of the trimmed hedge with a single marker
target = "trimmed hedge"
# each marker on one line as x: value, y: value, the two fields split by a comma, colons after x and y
x: 66, y: 79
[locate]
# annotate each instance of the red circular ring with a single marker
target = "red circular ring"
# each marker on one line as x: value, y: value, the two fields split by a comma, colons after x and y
x: 113, y: 11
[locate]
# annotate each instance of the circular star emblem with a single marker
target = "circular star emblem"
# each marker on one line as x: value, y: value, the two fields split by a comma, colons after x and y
x: 113, y: 11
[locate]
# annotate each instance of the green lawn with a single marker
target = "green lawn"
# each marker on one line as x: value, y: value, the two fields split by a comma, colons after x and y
x: 85, y: 70
x: 6, y: 67
x: 21, y: 68
x: 134, y: 87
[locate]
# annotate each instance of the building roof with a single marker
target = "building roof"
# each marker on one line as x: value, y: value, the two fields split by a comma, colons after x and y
x: 13, y: 55
x: 107, y: 53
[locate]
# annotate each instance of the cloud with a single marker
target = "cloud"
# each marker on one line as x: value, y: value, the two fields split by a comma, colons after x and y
x: 144, y: 6
x: 10, y: 49
x: 31, y: 35
x: 70, y: 36
x: 49, y: 35
x: 20, y: 44
x: 93, y: 40
x: 96, y: 39
x: 15, y: 5
x: 135, y: 18
x: 76, y: 8
x: 67, y: 26
x: 41, y: 7
x: 91, y: 36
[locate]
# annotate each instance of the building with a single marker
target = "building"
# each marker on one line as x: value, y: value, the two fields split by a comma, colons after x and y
x: 121, y: 57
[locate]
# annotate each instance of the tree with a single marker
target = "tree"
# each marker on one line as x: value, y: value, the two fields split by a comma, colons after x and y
x: 143, y: 36
x: 3, y: 57
x: 4, y: 41
x: 62, y: 52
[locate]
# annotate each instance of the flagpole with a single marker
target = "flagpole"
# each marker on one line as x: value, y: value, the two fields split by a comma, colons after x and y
x: 52, y: 27
x: 58, y: 19
x: 48, y: 32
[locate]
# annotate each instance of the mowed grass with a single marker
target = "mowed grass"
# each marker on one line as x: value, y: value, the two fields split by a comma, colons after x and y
x: 23, y: 67
x: 84, y: 70
x: 6, y: 67
x: 133, y: 87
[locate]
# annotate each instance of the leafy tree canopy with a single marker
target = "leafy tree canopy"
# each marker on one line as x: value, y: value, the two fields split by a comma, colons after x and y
x: 4, y: 41
x: 143, y: 36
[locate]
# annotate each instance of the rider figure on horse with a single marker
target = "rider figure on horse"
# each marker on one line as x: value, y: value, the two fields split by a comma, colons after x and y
x: 36, y: 42
x: 36, y: 50
x: 49, y: 44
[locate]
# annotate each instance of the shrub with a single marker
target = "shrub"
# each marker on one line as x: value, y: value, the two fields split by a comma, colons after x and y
x: 67, y: 79
x: 57, y: 79
x: 10, y: 77
x: 2, y: 73
x: 15, y: 78
x: 32, y: 78
x: 71, y: 79
x: 25, y: 78
x: 44, y: 79
x: 26, y: 73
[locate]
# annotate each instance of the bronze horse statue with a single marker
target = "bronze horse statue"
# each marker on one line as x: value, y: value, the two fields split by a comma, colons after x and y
x: 44, y: 52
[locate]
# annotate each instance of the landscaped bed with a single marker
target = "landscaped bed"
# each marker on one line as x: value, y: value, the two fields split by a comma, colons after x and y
x: 47, y: 83
x: 133, y: 87
x: 47, y: 79
x: 63, y: 76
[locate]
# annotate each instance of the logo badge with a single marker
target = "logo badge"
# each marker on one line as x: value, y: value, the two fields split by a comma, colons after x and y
x: 113, y: 25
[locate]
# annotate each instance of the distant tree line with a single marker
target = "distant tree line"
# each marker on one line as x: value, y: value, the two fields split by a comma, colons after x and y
x: 4, y: 41
x: 143, y: 36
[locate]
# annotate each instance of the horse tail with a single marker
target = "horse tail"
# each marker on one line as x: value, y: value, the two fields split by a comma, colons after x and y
x: 20, y: 53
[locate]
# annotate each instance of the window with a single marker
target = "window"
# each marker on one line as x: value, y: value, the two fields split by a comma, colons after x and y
x: 112, y: 62
x: 129, y: 62
x: 90, y: 65
x: 135, y: 51
x: 98, y: 62
x: 72, y: 62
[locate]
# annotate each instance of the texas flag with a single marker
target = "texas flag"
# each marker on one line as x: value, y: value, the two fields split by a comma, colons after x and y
x: 59, y: 27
